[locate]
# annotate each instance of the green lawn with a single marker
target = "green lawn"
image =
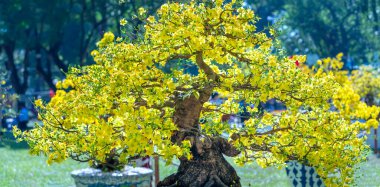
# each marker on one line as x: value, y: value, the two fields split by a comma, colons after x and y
x: 18, y: 168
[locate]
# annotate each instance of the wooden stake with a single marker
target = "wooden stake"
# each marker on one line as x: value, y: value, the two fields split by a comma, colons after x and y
x: 375, y: 132
x: 156, y: 170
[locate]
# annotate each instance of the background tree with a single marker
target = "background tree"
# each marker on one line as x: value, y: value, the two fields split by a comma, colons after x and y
x: 46, y: 37
x: 6, y: 98
x: 330, y: 27
x: 41, y: 39
x: 268, y: 10
x: 364, y: 81
x: 125, y: 105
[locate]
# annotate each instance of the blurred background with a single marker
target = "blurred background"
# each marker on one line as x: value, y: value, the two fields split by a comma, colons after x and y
x: 41, y: 39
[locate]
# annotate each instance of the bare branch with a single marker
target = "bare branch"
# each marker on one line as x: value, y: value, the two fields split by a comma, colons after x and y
x: 274, y: 131
x: 202, y: 65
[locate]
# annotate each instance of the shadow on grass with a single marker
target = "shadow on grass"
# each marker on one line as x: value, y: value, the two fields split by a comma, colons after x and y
x: 8, y: 140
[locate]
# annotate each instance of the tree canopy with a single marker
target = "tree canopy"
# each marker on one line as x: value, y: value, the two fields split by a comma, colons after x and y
x: 36, y: 41
x: 125, y: 105
x: 38, y: 45
x: 333, y: 26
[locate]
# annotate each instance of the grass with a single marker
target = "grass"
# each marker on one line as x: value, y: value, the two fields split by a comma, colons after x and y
x: 18, y: 168
x: 251, y: 175
x: 369, y: 172
x: 21, y: 169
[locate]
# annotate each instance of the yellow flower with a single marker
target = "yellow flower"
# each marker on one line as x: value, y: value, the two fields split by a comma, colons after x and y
x: 58, y: 85
x: 107, y: 39
x: 123, y: 22
x: 151, y: 19
x: 142, y: 11
x: 67, y: 83
x: 38, y: 103
x: 94, y: 53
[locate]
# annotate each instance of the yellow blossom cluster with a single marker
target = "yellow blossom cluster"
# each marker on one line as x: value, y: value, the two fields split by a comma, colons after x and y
x: 366, y: 82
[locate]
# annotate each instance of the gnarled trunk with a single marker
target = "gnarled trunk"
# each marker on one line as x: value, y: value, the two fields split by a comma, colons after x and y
x: 208, y: 167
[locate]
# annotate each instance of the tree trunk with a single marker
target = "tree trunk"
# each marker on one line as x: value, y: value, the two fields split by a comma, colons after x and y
x: 375, y: 16
x: 18, y: 85
x: 46, y: 75
x: 369, y: 99
x: 208, y: 166
x: 208, y: 169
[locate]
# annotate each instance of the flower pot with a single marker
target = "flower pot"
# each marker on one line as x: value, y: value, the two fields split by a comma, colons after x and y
x: 303, y: 176
x: 129, y: 177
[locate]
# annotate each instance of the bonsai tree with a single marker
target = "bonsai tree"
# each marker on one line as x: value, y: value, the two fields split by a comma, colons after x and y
x: 367, y: 82
x: 126, y: 105
x: 364, y: 80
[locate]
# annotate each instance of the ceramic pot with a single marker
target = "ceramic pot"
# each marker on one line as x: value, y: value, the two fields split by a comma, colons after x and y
x: 129, y: 177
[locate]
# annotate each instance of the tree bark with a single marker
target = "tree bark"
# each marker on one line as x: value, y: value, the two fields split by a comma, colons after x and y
x: 375, y: 16
x: 208, y: 166
x: 19, y: 86
x: 46, y: 75
x: 53, y: 52
x: 370, y: 101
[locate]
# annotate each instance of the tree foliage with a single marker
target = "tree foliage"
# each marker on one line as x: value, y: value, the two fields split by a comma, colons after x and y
x: 366, y: 82
x: 5, y: 95
x: 47, y: 37
x: 125, y: 105
x: 333, y: 26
